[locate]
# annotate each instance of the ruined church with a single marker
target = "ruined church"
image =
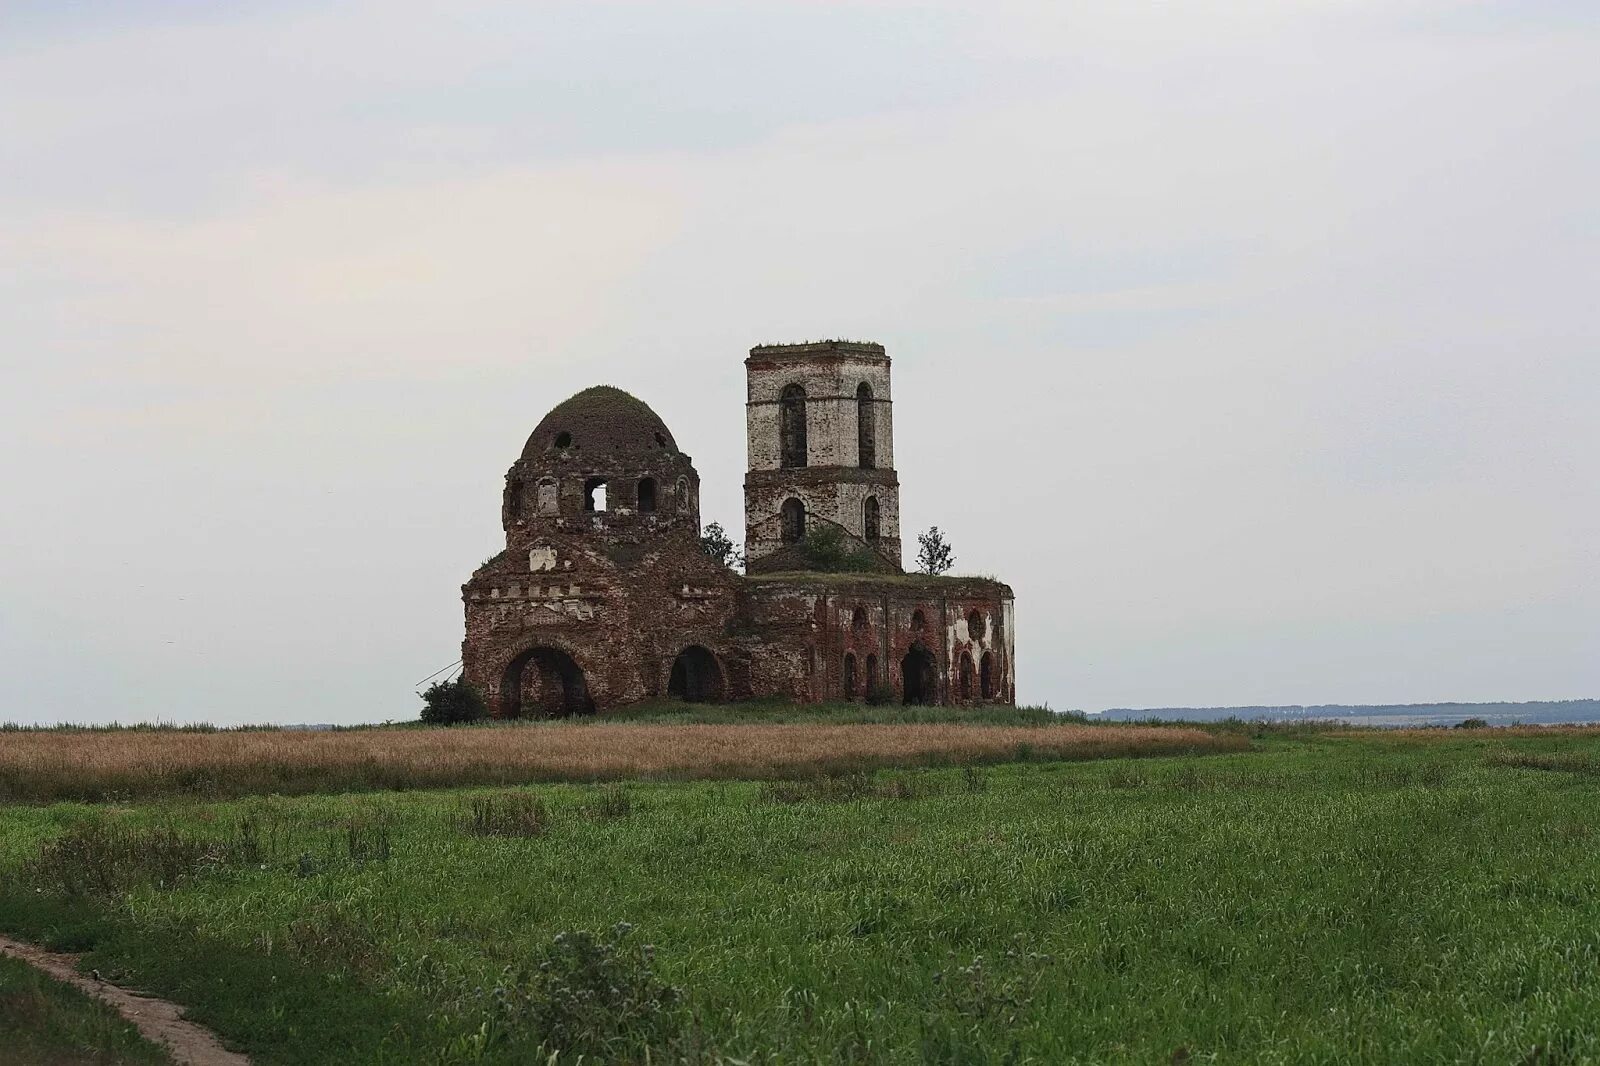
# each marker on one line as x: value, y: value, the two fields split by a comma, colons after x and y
x: 603, y: 595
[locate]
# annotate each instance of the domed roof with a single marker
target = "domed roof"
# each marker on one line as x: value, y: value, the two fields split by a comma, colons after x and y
x: 601, y: 421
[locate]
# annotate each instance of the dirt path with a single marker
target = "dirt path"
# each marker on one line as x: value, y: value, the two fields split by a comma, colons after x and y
x: 157, y: 1020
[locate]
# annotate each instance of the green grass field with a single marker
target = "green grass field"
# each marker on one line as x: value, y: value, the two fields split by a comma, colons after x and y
x: 1359, y: 898
x: 45, y: 1023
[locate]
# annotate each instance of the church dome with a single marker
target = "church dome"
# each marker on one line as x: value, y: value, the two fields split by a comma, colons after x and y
x: 601, y: 422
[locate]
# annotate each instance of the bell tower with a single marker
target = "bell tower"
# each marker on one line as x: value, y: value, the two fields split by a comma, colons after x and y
x: 820, y: 434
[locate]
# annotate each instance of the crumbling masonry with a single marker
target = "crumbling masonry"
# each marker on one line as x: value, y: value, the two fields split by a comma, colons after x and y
x: 603, y: 596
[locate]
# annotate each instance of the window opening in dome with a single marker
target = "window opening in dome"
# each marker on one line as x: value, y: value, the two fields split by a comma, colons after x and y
x: 661, y: 440
x: 647, y: 495
x: 594, y: 495
x: 563, y: 439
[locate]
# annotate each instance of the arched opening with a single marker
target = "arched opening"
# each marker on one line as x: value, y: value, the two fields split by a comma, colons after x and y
x: 871, y: 524
x: 964, y: 678
x: 849, y: 676
x: 975, y: 627
x: 563, y: 439
x: 546, y: 683
x: 866, y: 430
x: 513, y: 497
x: 682, y: 492
x: 986, y: 676
x: 696, y: 677
x: 792, y: 426
x: 858, y: 621
x: 549, y: 501
x: 919, y: 677
x: 919, y: 622
x: 594, y: 495
x: 647, y: 495
x: 793, y: 519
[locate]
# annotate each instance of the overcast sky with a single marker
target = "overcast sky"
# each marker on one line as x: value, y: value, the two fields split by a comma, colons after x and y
x: 1256, y: 343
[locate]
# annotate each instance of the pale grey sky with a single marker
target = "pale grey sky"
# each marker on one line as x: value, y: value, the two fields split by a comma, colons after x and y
x: 1255, y: 343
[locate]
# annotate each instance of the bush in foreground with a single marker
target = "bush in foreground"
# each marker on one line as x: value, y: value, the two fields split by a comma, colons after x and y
x: 594, y: 996
x: 449, y: 702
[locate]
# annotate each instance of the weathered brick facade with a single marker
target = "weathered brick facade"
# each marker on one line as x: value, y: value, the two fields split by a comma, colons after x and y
x: 599, y: 603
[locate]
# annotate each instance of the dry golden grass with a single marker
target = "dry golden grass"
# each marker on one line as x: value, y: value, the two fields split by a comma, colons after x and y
x: 111, y: 765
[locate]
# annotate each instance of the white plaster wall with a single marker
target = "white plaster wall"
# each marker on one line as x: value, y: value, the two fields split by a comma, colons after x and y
x: 831, y: 426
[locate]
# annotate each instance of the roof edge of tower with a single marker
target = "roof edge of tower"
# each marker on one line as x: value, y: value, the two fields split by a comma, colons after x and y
x: 823, y: 349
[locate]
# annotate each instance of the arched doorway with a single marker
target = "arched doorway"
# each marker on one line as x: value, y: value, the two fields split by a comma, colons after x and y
x: 849, y: 675
x: 919, y: 676
x: 696, y: 677
x: 964, y: 678
x: 544, y: 683
x: 986, y: 676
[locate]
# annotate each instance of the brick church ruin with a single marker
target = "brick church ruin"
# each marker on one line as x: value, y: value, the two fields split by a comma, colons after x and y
x: 604, y: 597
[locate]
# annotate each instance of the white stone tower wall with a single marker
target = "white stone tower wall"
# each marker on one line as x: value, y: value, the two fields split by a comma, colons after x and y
x: 832, y: 484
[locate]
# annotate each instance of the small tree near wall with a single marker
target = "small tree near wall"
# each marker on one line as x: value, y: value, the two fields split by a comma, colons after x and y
x: 934, y: 555
x: 716, y: 543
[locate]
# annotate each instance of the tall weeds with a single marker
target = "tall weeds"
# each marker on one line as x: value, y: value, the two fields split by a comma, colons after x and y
x: 50, y: 766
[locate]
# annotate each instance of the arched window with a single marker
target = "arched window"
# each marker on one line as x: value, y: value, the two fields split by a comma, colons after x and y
x: 792, y: 426
x: 866, y: 428
x: 965, y: 678
x: 685, y: 505
x: 647, y: 495
x: 975, y: 626
x: 986, y: 675
x: 793, y: 518
x: 594, y: 494
x: 549, y: 501
x: 849, y: 676
x: 858, y: 621
x: 514, y: 497
x: 871, y: 524
x: 918, y: 621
